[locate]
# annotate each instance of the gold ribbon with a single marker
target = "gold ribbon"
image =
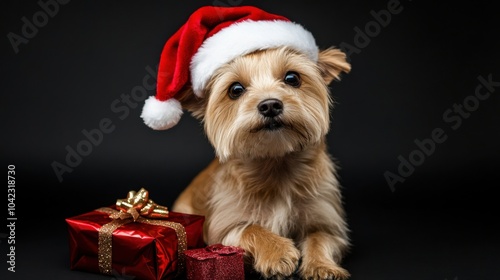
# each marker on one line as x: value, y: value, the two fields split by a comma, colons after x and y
x: 138, y: 204
x: 135, y: 208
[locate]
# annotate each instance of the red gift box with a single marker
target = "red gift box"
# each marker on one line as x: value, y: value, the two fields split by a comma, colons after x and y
x: 215, y: 262
x: 146, y: 248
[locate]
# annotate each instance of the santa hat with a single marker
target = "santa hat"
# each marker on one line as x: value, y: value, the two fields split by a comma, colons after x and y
x: 212, y: 37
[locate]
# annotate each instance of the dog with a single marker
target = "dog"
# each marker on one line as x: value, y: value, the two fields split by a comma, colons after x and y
x: 272, y: 188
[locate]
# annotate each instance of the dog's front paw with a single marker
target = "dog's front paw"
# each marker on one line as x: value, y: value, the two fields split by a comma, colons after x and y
x: 321, y: 271
x: 278, y: 260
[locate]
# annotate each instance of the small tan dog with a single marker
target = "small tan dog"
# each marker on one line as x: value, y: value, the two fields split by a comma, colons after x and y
x: 272, y: 189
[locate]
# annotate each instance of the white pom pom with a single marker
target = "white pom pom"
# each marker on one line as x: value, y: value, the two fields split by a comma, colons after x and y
x: 161, y: 115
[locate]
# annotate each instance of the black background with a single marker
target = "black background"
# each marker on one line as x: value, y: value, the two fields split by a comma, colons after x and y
x: 440, y: 223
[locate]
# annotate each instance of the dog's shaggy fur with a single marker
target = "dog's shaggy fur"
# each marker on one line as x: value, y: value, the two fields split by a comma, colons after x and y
x: 272, y: 189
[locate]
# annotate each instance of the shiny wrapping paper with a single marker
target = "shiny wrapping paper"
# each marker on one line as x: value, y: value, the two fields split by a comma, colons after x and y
x: 139, y: 249
x: 215, y: 262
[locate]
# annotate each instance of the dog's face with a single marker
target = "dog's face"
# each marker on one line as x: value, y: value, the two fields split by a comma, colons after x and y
x: 269, y: 103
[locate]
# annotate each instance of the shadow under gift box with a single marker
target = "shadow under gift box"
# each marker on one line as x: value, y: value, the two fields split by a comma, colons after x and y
x: 139, y: 249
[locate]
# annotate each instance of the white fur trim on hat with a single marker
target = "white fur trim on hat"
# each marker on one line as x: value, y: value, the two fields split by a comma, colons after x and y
x: 245, y: 37
x: 161, y: 115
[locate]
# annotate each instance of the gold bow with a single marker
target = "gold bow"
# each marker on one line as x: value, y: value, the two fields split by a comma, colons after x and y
x: 138, y: 204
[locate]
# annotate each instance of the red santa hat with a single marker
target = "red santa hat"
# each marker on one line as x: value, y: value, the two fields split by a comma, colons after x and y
x: 211, y: 37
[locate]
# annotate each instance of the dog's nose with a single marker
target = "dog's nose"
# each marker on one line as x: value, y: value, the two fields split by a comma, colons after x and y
x: 270, y: 108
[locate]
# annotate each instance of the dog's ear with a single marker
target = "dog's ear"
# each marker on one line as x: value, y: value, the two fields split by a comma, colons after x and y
x: 331, y: 63
x: 194, y: 104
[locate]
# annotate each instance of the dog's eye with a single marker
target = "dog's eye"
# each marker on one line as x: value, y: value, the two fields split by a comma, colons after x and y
x: 292, y: 79
x: 235, y: 90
